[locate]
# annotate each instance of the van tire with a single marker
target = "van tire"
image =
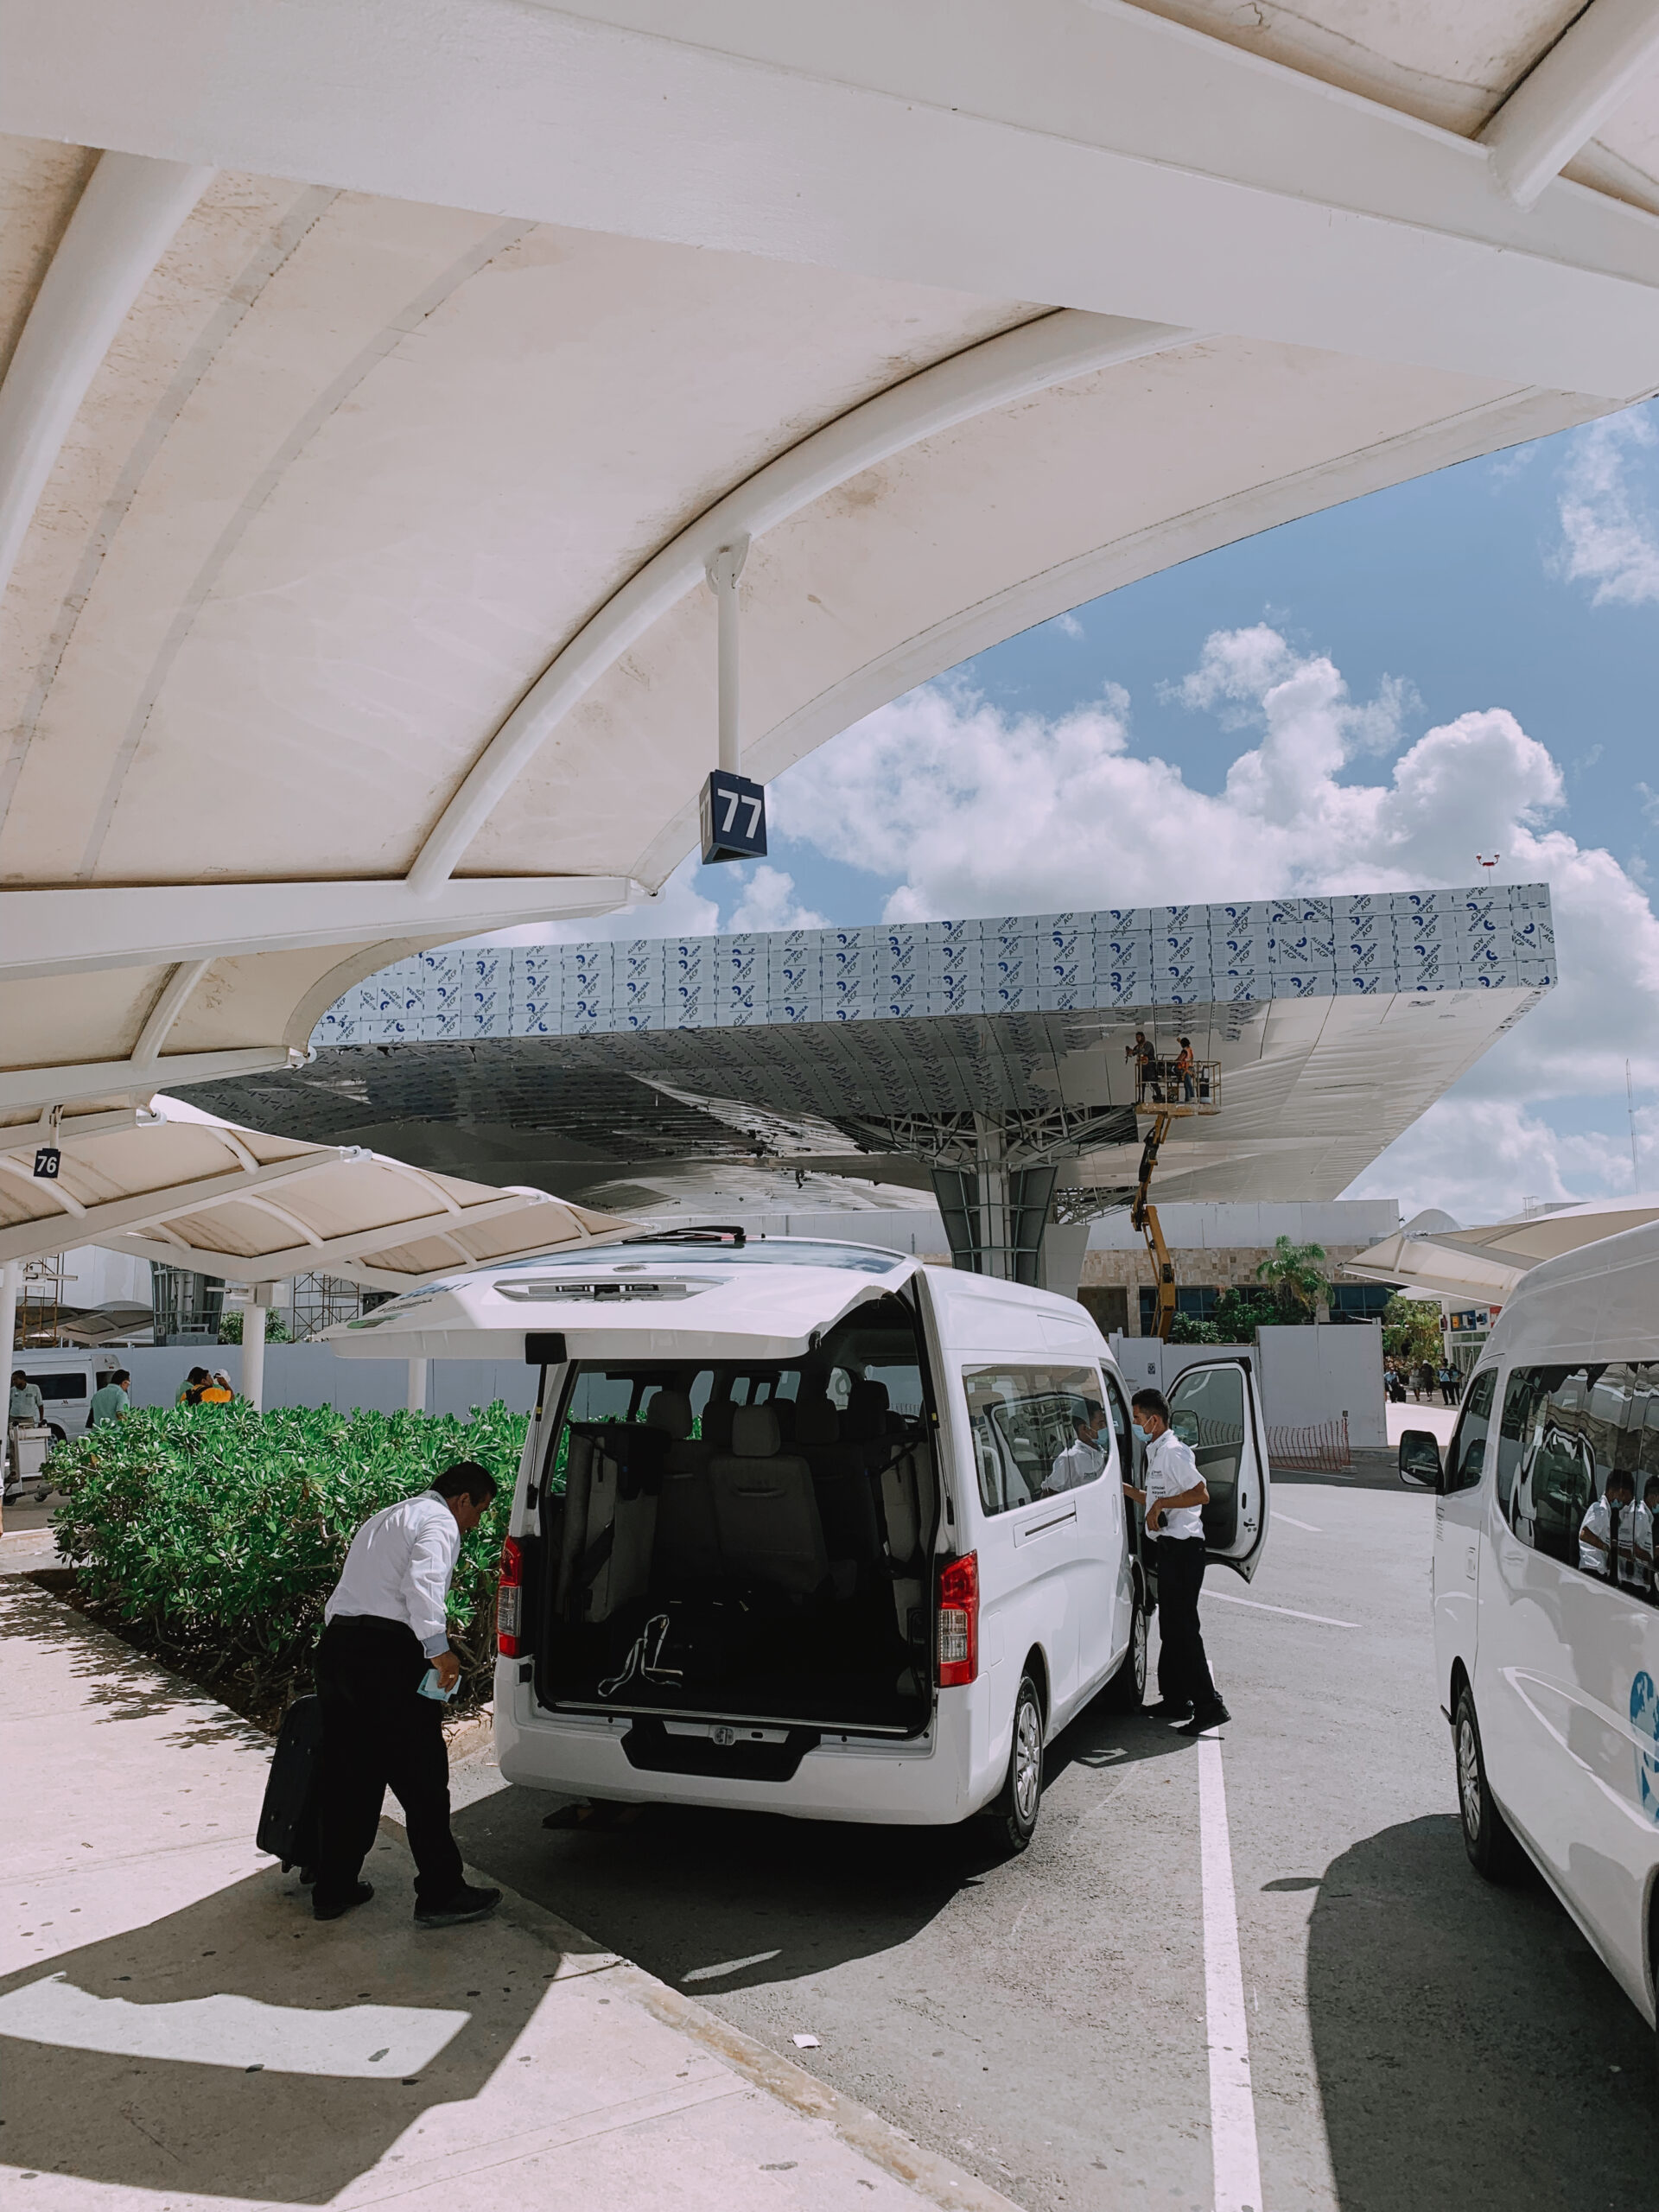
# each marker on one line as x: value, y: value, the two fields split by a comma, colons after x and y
x: 1487, y: 1836
x: 1015, y: 1810
x: 1126, y: 1691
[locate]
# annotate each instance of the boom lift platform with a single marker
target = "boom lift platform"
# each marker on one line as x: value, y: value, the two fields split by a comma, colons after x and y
x: 1167, y: 1094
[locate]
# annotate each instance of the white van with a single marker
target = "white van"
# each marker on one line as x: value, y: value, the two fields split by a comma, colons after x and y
x: 808, y: 1528
x: 1548, y: 1664
x: 65, y: 1380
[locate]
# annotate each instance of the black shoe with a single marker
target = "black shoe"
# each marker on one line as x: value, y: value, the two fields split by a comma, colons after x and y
x: 360, y: 1895
x: 1202, y: 1723
x: 466, y: 1905
x: 1164, y: 1710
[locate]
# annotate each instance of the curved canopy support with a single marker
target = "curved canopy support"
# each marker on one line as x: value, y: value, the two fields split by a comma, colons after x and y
x: 124, y: 221
x: 1052, y: 350
x: 1557, y: 108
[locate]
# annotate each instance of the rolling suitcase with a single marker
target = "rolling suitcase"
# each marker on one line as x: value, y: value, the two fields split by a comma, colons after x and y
x: 288, y: 1819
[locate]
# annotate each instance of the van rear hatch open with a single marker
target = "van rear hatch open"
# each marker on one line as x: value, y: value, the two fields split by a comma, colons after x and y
x: 730, y: 1526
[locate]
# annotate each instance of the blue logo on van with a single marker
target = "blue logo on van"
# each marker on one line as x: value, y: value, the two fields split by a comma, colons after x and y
x: 1644, y: 1718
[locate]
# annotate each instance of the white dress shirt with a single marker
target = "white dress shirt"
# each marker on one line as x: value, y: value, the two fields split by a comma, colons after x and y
x: 1078, y: 1464
x: 398, y: 1569
x: 1170, y: 1469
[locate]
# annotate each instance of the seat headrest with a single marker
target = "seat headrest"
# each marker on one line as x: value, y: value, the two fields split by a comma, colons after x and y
x: 816, y: 1421
x: 754, y: 1432
x: 670, y: 1410
x: 717, y: 1424
x: 866, y: 1411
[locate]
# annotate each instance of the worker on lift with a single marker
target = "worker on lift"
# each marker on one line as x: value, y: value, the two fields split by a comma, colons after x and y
x: 1185, y: 1068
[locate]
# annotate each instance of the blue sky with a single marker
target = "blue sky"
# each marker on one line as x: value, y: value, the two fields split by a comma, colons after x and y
x: 1361, y: 699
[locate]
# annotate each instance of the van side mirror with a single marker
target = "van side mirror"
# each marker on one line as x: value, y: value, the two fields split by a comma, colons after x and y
x: 1420, y: 1459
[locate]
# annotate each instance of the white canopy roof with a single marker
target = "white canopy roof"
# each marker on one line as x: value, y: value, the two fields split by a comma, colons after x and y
x: 374, y: 402
x: 1487, y: 1264
x: 177, y: 1185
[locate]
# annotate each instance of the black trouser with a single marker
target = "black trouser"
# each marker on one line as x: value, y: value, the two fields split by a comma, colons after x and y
x: 1183, y: 1670
x: 379, y: 1733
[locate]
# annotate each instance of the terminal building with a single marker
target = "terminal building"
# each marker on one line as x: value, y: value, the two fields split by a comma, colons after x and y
x: 985, y: 1068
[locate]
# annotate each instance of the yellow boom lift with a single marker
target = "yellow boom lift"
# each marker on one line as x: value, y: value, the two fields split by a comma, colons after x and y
x: 1162, y: 1094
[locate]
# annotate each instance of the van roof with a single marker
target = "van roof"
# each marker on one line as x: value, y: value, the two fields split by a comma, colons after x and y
x: 1597, y: 1302
x: 762, y: 1299
x: 654, y: 1297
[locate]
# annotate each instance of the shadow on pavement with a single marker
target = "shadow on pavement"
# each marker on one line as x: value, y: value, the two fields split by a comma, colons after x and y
x: 121, y: 1683
x: 1471, y: 2049
x: 278, y: 2097
x: 682, y: 1888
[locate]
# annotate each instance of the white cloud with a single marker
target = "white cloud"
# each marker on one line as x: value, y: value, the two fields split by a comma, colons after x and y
x: 1483, y: 1159
x: 976, y: 812
x: 1067, y: 624
x: 769, y: 903
x: 1608, y: 538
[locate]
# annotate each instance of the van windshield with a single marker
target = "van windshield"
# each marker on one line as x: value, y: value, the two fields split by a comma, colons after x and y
x: 745, y: 1536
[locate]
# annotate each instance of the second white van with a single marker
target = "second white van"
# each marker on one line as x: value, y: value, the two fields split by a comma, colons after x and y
x: 813, y: 1528
x: 1547, y: 1634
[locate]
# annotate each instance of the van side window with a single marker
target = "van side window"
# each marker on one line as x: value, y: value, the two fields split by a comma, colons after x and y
x: 1035, y: 1431
x: 1466, y: 1460
x: 1586, y: 1483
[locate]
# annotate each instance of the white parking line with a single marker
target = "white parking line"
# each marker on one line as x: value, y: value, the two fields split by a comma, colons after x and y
x: 1225, y: 1597
x: 1281, y: 1515
x: 1237, y: 2165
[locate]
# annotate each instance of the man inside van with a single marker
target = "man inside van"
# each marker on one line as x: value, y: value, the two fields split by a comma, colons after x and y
x: 1174, y: 1497
x: 1083, y: 1458
x: 1606, y: 1527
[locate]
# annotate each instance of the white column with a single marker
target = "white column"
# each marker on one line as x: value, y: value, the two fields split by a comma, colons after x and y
x: 11, y: 1275
x: 418, y: 1386
x: 253, y: 1346
x: 723, y: 569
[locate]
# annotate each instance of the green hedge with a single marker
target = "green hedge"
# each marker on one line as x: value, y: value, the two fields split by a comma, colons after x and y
x: 218, y: 1532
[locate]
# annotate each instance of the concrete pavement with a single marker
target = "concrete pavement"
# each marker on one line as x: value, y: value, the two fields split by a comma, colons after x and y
x: 177, y: 2030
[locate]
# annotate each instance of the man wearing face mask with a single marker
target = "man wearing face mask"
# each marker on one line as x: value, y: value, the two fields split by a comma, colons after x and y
x: 1174, y: 1499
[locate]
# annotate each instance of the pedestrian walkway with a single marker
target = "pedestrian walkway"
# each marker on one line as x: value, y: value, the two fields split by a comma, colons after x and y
x: 180, y: 2030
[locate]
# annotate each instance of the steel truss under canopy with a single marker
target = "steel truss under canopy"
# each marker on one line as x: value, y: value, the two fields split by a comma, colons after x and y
x: 993, y: 1062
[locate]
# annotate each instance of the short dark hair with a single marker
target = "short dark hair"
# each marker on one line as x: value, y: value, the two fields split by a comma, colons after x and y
x: 466, y: 1478
x: 197, y: 1375
x: 1152, y: 1402
x: 1624, y: 1477
x: 120, y: 1375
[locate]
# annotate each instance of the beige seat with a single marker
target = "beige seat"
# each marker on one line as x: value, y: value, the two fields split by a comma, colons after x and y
x: 688, y: 1541
x: 766, y: 1510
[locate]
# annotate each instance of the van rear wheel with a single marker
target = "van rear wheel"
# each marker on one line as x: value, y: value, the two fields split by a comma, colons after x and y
x: 1487, y: 1836
x: 1016, y: 1810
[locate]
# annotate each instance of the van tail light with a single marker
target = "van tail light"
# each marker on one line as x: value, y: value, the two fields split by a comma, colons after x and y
x: 509, y: 1599
x: 959, y: 1621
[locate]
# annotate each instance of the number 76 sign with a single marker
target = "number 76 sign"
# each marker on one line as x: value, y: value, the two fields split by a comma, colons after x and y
x: 733, y: 819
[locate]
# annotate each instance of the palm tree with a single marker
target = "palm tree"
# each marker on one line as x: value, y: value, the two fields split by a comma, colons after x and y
x: 1295, y: 1272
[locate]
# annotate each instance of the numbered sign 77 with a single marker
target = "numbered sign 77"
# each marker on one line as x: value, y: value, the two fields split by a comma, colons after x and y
x: 733, y: 819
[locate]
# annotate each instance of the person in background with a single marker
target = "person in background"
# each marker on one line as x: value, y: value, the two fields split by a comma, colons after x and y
x: 110, y: 1400
x: 385, y: 1628
x: 1605, y: 1528
x: 215, y: 1391
x: 1174, y: 1497
x: 1448, y: 1387
x: 190, y: 1389
x: 1186, y: 1069
x: 27, y: 1408
x: 1145, y: 1057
